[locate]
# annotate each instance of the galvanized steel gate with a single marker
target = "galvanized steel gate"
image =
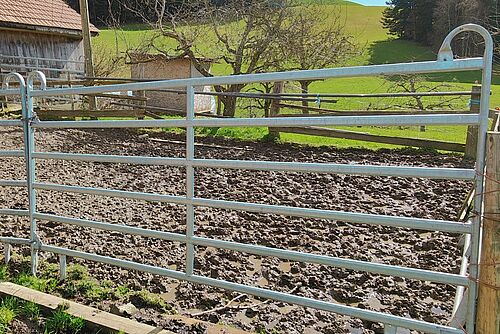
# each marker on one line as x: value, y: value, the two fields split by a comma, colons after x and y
x: 445, y: 63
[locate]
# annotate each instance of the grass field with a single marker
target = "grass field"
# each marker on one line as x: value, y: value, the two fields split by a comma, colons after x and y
x: 378, y: 48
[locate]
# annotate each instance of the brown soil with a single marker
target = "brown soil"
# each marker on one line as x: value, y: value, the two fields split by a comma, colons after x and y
x: 438, y: 199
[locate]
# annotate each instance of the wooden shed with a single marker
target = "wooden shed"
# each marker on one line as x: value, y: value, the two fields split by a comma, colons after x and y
x: 41, y: 34
x: 158, y: 66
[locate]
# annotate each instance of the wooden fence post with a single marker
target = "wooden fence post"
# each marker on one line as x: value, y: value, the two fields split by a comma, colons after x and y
x: 488, y: 312
x: 274, y: 110
x: 471, y: 141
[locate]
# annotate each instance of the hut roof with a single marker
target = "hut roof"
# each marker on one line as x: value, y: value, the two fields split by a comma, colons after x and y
x: 136, y: 57
x: 53, y: 16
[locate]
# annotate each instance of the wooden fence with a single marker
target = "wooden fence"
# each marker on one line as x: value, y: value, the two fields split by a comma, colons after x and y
x: 469, y: 148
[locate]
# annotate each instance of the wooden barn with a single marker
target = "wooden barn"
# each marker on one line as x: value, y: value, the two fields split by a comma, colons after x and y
x: 158, y: 66
x: 41, y: 34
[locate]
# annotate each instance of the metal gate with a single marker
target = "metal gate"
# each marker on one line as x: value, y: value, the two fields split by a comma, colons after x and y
x: 465, y: 281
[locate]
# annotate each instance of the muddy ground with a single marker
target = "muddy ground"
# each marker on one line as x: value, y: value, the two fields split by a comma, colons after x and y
x: 437, y: 199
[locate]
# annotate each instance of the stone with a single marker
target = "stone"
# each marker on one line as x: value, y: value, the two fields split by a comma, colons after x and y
x: 126, y: 309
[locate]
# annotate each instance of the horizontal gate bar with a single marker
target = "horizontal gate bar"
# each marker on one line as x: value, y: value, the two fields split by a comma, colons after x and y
x: 136, y: 160
x: 113, y: 193
x: 378, y: 268
x: 340, y: 72
x: 13, y: 212
x: 424, y: 172
x: 263, y: 293
x: 353, y: 217
x: 11, y: 122
x: 112, y: 227
x: 384, y: 269
x: 12, y: 183
x: 14, y: 153
x: 9, y: 92
x: 385, y: 120
x: 14, y: 241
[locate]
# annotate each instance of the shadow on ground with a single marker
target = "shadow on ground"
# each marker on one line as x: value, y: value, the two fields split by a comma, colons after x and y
x: 396, y: 51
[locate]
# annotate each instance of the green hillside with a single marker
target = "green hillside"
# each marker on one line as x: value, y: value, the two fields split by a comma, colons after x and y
x: 378, y: 48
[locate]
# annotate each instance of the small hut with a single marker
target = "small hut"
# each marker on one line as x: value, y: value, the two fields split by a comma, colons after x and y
x: 158, y: 66
x: 41, y: 35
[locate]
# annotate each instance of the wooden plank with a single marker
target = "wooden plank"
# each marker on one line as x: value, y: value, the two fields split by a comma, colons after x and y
x: 403, y: 141
x: 44, y: 114
x: 379, y: 113
x: 488, y: 312
x: 323, y: 111
x: 167, y: 111
x: 472, y: 130
x: 87, y: 46
x: 89, y: 314
x: 105, y: 319
x: 120, y: 97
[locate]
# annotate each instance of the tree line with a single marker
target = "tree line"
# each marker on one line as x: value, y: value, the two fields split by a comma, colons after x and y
x: 110, y: 12
x: 429, y: 21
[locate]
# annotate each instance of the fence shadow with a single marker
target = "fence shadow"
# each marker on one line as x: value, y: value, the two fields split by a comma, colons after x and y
x: 397, y: 51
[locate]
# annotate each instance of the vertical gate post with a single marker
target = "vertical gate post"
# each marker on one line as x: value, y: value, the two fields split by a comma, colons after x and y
x: 189, y: 180
x: 471, y: 141
x: 488, y: 313
x: 29, y: 141
x: 29, y: 148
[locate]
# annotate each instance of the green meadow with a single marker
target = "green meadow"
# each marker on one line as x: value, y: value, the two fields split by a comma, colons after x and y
x: 377, y: 48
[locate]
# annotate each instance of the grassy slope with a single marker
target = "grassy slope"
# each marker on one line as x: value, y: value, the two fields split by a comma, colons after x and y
x: 364, y: 23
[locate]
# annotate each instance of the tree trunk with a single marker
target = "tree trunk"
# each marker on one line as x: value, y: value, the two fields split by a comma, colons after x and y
x: 304, y: 85
x: 229, y: 102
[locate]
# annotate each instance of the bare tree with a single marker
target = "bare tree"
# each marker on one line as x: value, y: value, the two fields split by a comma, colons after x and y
x: 106, y: 60
x: 238, y: 33
x: 416, y: 83
x: 315, y: 38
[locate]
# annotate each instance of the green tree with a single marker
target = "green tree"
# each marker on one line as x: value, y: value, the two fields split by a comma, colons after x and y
x: 410, y: 19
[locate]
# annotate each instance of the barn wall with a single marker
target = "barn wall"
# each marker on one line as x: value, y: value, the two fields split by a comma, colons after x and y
x: 31, y: 44
x: 169, y: 69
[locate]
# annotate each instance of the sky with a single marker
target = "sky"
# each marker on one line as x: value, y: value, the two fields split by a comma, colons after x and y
x: 371, y: 2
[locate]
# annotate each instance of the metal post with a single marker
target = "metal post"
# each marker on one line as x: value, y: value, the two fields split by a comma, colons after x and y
x: 189, y: 181
x: 389, y: 329
x: 62, y: 267
x: 29, y: 148
x: 29, y: 142
x: 7, y: 249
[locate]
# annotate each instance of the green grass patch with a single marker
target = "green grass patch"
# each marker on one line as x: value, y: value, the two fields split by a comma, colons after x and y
x: 144, y: 298
x: 62, y: 323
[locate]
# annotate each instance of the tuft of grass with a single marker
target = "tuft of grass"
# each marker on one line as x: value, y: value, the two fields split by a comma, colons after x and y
x: 77, y: 272
x: 11, y: 303
x: 8, y: 311
x: 122, y: 291
x: 144, y: 298
x: 62, y: 323
x: 6, y: 316
x: 4, y: 273
x: 36, y: 283
x: 31, y: 311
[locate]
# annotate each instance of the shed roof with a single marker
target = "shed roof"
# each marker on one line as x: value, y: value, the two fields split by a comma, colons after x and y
x: 44, y: 15
x: 136, y: 57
